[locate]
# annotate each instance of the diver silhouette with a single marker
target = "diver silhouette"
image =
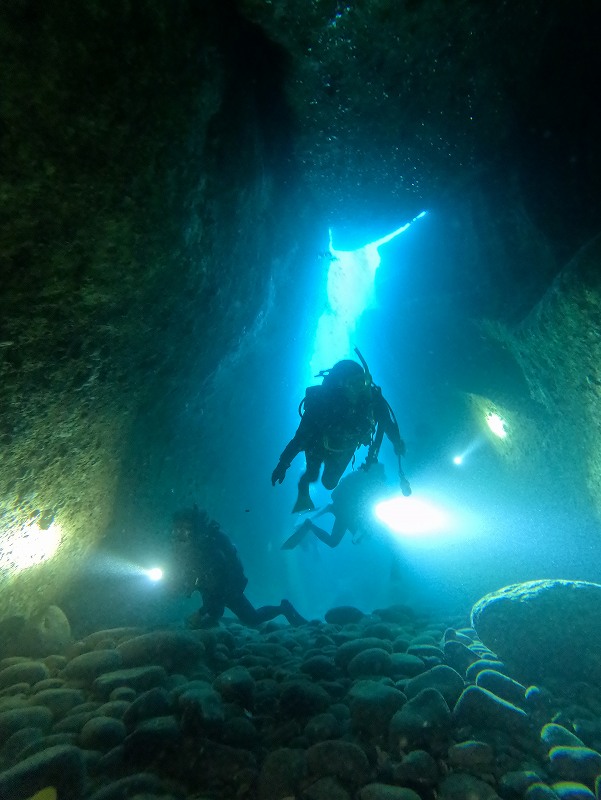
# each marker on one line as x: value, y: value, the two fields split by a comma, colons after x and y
x: 345, y: 412
x: 352, y: 507
x: 206, y: 560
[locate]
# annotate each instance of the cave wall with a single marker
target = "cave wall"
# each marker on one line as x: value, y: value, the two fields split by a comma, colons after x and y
x: 137, y: 216
x: 558, y: 349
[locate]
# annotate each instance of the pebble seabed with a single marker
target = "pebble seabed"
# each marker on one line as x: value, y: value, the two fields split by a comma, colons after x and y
x: 380, y: 707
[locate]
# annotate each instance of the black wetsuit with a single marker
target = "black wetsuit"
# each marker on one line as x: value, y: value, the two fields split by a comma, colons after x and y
x: 332, y: 428
x: 208, y: 562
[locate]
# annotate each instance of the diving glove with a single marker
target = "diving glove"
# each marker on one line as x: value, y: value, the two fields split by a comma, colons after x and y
x: 279, y: 473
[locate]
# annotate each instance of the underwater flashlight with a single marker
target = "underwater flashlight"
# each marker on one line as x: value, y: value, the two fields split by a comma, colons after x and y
x: 155, y: 574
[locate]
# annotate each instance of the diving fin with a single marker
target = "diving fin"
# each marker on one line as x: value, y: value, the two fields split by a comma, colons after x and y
x: 303, y: 503
x: 297, y: 537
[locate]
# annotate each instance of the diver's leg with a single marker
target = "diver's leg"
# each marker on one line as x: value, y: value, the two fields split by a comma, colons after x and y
x: 310, y: 475
x: 334, y: 466
x: 208, y: 615
x: 249, y: 615
x: 332, y: 539
x: 241, y: 606
x: 304, y: 528
x: 291, y: 614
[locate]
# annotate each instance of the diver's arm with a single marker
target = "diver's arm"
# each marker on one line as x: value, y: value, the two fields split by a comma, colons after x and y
x: 292, y: 449
x: 305, y: 434
x: 299, y: 442
x: 388, y: 425
x: 289, y: 453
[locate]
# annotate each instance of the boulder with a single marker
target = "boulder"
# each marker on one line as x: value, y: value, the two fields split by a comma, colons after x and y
x: 59, y: 701
x: 88, y: 666
x: 580, y: 764
x: 102, y: 733
x: 169, y: 649
x: 447, y: 680
x: 236, y: 685
x: 538, y: 626
x: 139, y: 784
x: 302, y: 699
x: 322, y: 727
x: 61, y: 766
x: 459, y: 786
x: 348, y: 650
x: 372, y: 705
x: 281, y: 773
x: 29, y: 672
x: 502, y: 686
x: 343, y: 615
x: 471, y: 756
x: 326, y: 789
x: 345, y: 761
x: 480, y: 708
x: 138, y: 678
x: 16, y: 718
x: 154, y: 703
x: 46, y: 633
x: 425, y: 720
x: 383, y: 791
x: 373, y: 661
x: 553, y: 735
x: 418, y: 768
x: 152, y: 738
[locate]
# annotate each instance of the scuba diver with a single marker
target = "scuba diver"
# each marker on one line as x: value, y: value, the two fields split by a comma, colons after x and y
x: 352, y: 507
x: 205, y: 560
x: 345, y: 412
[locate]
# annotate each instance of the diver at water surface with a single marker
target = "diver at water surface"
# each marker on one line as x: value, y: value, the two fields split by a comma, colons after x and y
x: 344, y: 413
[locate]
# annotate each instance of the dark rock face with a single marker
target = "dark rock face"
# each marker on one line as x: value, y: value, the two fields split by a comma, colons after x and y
x: 544, y: 628
x: 139, y: 172
x: 396, y: 101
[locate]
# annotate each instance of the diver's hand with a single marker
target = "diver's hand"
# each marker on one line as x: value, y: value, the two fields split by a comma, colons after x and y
x: 405, y: 486
x: 279, y: 473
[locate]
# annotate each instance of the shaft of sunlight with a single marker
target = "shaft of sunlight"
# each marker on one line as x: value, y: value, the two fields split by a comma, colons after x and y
x: 350, y: 291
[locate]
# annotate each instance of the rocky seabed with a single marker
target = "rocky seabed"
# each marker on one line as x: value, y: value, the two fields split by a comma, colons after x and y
x: 390, y: 706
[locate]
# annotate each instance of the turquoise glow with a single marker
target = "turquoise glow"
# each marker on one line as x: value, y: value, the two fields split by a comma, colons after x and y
x: 350, y: 291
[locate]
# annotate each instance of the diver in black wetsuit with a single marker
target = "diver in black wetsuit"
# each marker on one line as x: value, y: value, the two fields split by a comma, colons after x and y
x: 204, y: 559
x: 347, y: 411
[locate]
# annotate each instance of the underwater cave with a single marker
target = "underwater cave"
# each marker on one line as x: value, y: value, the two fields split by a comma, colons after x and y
x: 206, y: 204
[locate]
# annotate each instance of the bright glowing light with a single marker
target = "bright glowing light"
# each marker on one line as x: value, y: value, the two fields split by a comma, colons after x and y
x: 350, y: 288
x: 412, y: 516
x: 29, y: 545
x: 472, y: 447
x: 496, y: 424
x: 155, y: 574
